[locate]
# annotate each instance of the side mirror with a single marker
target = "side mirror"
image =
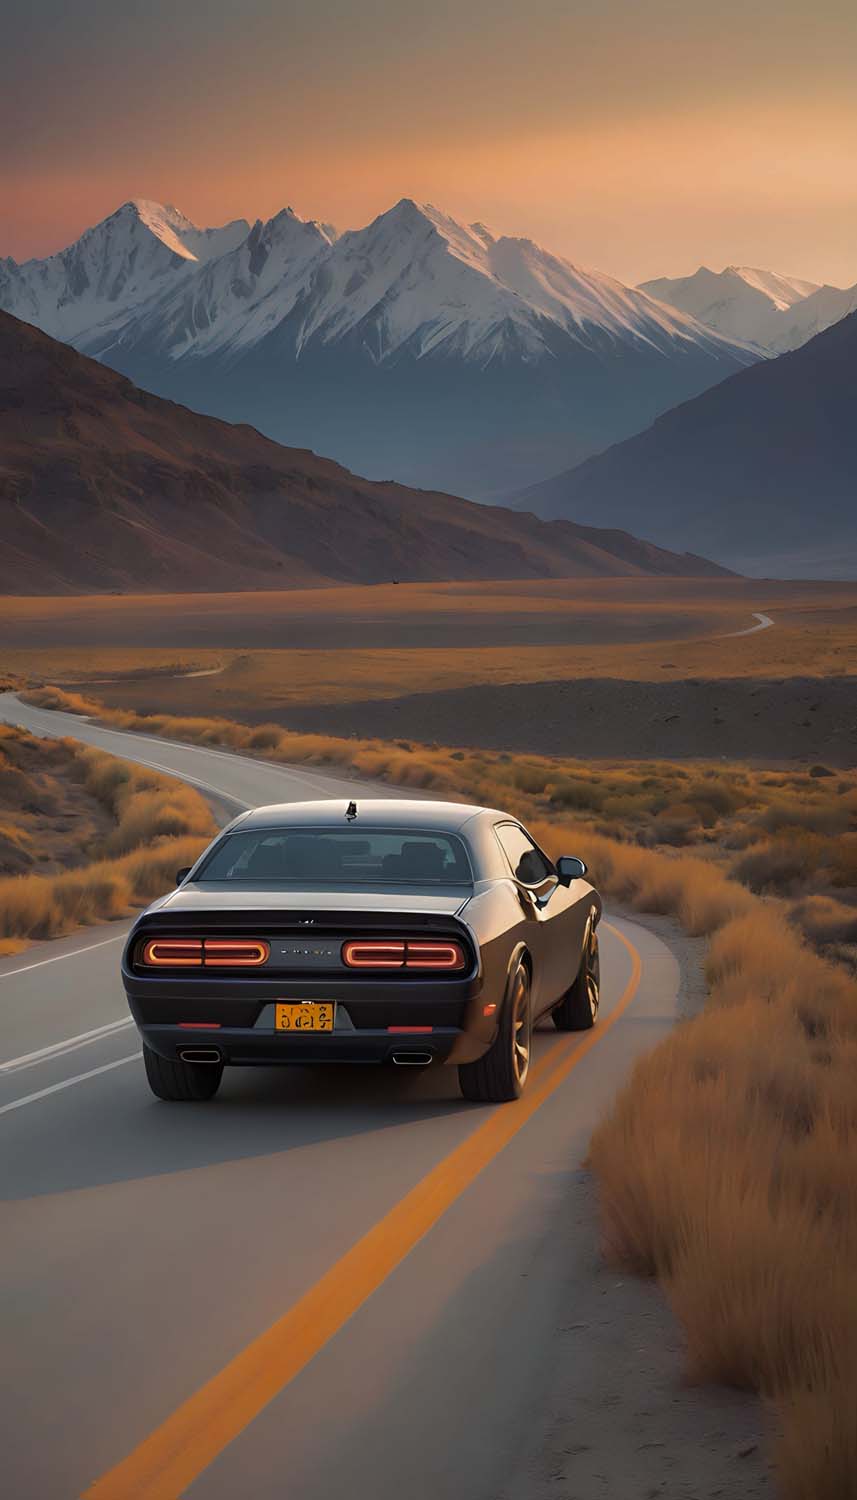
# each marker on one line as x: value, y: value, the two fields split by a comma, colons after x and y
x: 570, y: 868
x: 183, y: 874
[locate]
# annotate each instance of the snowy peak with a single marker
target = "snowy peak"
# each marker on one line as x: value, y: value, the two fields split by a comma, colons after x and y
x: 762, y: 307
x: 172, y: 229
x: 783, y: 291
x: 238, y: 298
x: 117, y: 265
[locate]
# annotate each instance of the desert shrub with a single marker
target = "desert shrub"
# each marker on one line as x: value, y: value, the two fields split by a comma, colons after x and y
x: 266, y: 737
x: 824, y: 920
x: 779, y: 865
x: 530, y: 778
x: 576, y: 793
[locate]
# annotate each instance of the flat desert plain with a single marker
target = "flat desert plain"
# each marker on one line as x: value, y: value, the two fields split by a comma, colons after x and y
x: 614, y: 667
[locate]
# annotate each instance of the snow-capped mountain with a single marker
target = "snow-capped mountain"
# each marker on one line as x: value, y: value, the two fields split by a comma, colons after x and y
x: 121, y: 263
x: 413, y: 280
x: 774, y: 312
x: 234, y: 300
x: 418, y: 347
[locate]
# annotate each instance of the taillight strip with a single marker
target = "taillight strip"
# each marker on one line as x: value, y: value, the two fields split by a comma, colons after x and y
x: 363, y: 955
x: 173, y: 953
x: 409, y: 953
x: 434, y: 956
x: 209, y: 953
x: 220, y: 952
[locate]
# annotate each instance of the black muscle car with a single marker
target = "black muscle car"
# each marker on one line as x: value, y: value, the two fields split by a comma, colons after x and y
x: 405, y: 932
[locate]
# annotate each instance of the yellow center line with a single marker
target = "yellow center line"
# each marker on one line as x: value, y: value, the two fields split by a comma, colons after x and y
x: 171, y: 1457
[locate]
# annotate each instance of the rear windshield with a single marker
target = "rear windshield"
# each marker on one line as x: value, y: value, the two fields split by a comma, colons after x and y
x: 345, y: 856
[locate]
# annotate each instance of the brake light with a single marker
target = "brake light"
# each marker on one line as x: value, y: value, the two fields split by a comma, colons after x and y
x: 219, y: 952
x: 373, y: 955
x: 434, y: 956
x: 209, y: 953
x: 173, y: 952
x: 410, y: 953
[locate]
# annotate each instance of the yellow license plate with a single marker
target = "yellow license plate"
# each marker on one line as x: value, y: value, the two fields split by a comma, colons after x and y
x: 305, y: 1015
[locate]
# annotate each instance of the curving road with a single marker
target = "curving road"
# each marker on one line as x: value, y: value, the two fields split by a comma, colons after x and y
x: 322, y: 1283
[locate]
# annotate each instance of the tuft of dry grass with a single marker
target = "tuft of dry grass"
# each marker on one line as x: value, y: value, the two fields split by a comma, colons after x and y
x: 150, y: 826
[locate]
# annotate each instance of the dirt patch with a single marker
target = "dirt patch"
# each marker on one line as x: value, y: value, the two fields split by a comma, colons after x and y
x: 798, y: 718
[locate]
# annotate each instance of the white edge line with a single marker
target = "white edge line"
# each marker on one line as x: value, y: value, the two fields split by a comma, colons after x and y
x: 67, y: 1083
x: 58, y: 957
x: 57, y: 1049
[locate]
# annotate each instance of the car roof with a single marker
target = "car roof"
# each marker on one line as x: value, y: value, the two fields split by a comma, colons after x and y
x: 378, y: 812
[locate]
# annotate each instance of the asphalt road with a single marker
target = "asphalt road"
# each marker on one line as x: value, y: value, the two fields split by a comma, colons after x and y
x: 322, y: 1283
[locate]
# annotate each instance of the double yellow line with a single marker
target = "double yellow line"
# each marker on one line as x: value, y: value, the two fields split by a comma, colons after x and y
x: 172, y: 1456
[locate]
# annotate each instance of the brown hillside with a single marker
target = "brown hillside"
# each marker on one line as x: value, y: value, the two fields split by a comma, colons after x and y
x: 106, y: 487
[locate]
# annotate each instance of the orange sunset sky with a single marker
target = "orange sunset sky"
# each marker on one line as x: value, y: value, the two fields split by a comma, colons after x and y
x: 642, y: 139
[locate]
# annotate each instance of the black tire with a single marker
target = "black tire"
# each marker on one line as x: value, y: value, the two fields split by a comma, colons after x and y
x: 578, y: 1007
x: 501, y: 1074
x: 181, y: 1082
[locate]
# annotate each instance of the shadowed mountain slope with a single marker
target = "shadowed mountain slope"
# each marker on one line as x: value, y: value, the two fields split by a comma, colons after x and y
x: 760, y: 472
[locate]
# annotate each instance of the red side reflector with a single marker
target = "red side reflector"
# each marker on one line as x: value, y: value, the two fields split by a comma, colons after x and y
x: 488, y: 1010
x: 410, y: 1030
x: 410, y: 953
x: 199, y: 1025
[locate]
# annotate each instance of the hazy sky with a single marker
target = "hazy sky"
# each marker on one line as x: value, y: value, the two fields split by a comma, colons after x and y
x: 639, y: 138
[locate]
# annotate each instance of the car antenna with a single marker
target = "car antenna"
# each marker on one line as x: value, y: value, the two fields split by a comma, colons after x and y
x: 351, y: 811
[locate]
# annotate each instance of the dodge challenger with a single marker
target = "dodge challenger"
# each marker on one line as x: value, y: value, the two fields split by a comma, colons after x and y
x: 402, y: 932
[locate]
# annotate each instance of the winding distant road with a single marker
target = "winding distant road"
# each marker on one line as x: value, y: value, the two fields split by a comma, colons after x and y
x: 763, y: 622
x: 321, y: 1284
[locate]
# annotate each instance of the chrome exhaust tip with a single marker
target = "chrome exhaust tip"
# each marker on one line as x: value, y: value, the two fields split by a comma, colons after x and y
x: 412, y: 1059
x: 200, y: 1055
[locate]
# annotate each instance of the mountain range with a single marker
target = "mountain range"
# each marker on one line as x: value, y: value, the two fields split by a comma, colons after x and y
x: 776, y: 313
x: 418, y: 346
x: 107, y: 487
x: 760, y: 472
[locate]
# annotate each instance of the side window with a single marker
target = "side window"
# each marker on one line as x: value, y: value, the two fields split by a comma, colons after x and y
x: 526, y: 862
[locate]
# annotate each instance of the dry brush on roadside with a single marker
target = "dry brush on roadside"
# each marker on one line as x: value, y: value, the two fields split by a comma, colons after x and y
x: 122, y: 833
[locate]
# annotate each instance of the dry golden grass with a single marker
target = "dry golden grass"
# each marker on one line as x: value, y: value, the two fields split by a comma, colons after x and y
x: 151, y: 826
x: 728, y: 1168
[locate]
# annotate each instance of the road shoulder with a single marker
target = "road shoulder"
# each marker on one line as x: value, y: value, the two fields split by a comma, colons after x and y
x: 621, y: 1421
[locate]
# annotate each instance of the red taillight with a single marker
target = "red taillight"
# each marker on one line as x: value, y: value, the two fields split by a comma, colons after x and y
x: 209, y: 953
x: 434, y: 956
x: 373, y: 955
x: 410, y: 953
x: 223, y: 952
x: 173, y: 952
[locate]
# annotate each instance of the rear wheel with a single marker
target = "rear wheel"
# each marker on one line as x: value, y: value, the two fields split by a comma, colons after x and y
x: 500, y: 1075
x: 181, y: 1081
x: 579, y: 1005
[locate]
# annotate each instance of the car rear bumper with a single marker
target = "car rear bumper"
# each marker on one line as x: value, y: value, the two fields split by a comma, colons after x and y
x: 249, y: 1046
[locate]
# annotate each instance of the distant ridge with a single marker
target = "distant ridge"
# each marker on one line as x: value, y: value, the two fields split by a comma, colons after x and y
x: 105, y: 487
x: 760, y: 472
